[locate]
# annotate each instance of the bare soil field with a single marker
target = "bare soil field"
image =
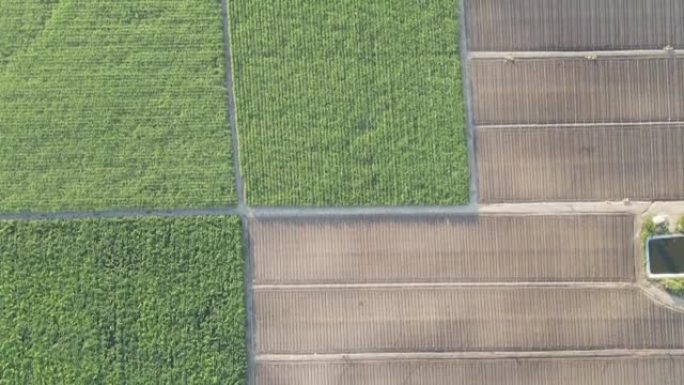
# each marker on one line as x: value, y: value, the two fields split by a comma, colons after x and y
x: 662, y: 370
x: 448, y: 319
x: 592, y: 162
x: 441, y: 299
x: 577, y: 90
x: 559, y: 25
x: 470, y: 248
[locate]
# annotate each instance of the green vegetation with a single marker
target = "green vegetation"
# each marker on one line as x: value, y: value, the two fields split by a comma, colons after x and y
x: 680, y: 225
x: 350, y: 102
x: 112, y: 104
x: 648, y: 228
x: 135, y: 301
x: 20, y: 23
x: 674, y: 286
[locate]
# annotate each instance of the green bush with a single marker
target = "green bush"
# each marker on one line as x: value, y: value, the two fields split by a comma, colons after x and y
x: 648, y: 228
x: 674, y: 286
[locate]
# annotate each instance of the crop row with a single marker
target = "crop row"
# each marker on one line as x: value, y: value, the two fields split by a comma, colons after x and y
x: 350, y: 102
x: 112, y: 105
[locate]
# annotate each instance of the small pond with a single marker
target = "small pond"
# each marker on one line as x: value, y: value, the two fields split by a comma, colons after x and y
x: 665, y: 254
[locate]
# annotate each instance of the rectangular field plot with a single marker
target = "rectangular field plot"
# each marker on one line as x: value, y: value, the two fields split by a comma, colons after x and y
x: 134, y: 301
x: 112, y: 104
x: 580, y: 163
x: 582, y: 25
x: 350, y: 102
x: 459, y: 319
x: 577, y: 90
x: 658, y: 370
x: 443, y: 249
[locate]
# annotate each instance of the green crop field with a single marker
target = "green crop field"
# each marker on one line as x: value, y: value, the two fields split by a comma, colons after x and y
x: 112, y: 104
x: 126, y: 301
x: 350, y: 102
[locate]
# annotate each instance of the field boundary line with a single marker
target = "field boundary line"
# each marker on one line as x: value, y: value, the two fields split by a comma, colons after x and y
x: 294, y: 212
x: 665, y: 124
x: 124, y: 213
x: 593, y: 55
x: 231, y: 111
x: 467, y: 93
x: 241, y: 208
x: 529, y: 208
x: 603, y: 353
x: 454, y: 285
x: 351, y: 211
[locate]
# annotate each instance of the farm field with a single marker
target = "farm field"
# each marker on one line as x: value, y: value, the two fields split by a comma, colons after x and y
x: 113, y: 105
x: 125, y: 301
x: 371, y: 255
x: 350, y: 102
x: 586, y: 248
x: 391, y: 299
x: 564, y: 371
